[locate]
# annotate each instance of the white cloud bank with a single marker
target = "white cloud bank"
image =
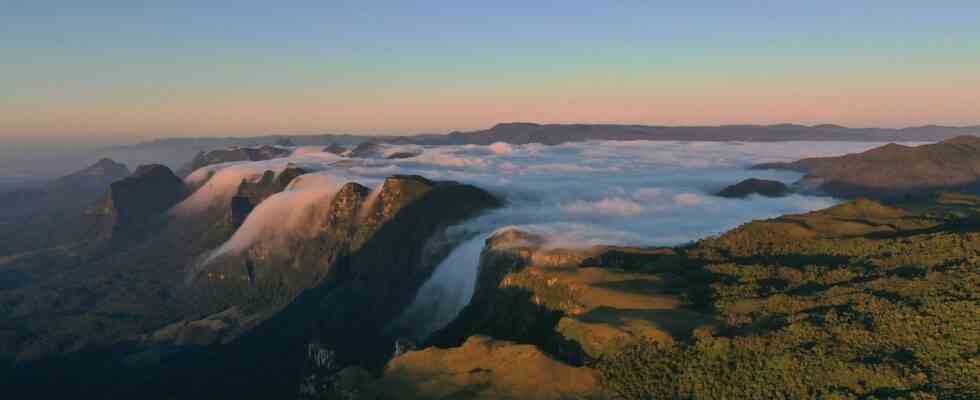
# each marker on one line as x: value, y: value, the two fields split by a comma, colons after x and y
x: 577, y: 194
x: 630, y: 193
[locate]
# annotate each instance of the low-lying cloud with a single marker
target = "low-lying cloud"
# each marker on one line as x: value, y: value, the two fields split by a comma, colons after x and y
x: 629, y: 193
x: 576, y: 194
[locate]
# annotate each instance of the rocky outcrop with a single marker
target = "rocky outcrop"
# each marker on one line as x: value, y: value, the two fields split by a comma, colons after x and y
x: 401, y: 155
x: 150, y: 191
x: 893, y: 171
x: 212, y: 157
x: 344, y: 285
x: 367, y: 150
x: 370, y: 246
x: 334, y: 148
x: 250, y: 194
x: 752, y: 186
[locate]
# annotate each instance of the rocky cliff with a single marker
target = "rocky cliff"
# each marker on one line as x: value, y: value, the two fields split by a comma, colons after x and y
x: 132, y: 201
x: 250, y: 194
x: 219, y: 156
x: 382, y: 232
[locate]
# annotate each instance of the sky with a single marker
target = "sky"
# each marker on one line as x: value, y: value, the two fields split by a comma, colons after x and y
x: 124, y: 69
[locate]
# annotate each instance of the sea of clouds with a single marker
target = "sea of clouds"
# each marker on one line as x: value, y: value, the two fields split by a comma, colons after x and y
x: 640, y: 193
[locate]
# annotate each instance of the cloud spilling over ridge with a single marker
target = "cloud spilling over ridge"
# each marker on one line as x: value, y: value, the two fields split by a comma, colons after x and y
x: 218, y: 183
x: 282, y: 215
x: 575, y: 195
x: 291, y: 214
x: 446, y: 292
x: 631, y: 193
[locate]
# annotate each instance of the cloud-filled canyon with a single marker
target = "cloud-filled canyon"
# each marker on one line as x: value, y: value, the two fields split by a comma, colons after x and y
x: 576, y: 195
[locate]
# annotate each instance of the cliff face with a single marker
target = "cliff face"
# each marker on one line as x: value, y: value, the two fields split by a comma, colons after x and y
x: 219, y: 156
x: 366, y: 150
x: 339, y: 288
x: 334, y: 148
x: 367, y: 249
x: 250, y: 194
x: 150, y: 191
x: 893, y: 171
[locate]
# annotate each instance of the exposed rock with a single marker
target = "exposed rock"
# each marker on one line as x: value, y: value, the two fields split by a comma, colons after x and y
x: 250, y: 194
x: 367, y: 150
x: 401, y: 155
x: 369, y: 246
x: 212, y: 157
x: 148, y: 192
x: 752, y: 186
x: 334, y: 148
x: 483, y: 368
x: 241, y: 207
x: 894, y: 171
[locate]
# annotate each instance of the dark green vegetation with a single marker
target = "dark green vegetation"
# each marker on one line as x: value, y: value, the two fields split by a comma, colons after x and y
x: 857, y: 301
x: 752, y: 186
x: 894, y: 171
x: 863, y: 300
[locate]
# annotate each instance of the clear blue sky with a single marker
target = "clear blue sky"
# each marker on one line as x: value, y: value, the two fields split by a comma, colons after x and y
x: 248, y: 67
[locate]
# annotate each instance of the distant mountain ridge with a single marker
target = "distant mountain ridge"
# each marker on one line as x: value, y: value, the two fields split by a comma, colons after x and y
x: 527, y: 132
x: 521, y: 133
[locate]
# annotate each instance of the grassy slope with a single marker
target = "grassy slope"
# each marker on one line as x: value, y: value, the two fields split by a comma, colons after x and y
x: 858, y: 301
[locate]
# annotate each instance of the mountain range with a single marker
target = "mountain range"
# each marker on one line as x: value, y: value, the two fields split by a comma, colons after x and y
x: 525, y: 132
x: 109, y: 290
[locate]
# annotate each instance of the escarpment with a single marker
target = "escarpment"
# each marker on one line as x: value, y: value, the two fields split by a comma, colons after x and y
x: 132, y: 201
x: 250, y: 194
x: 367, y: 248
x: 205, y: 158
